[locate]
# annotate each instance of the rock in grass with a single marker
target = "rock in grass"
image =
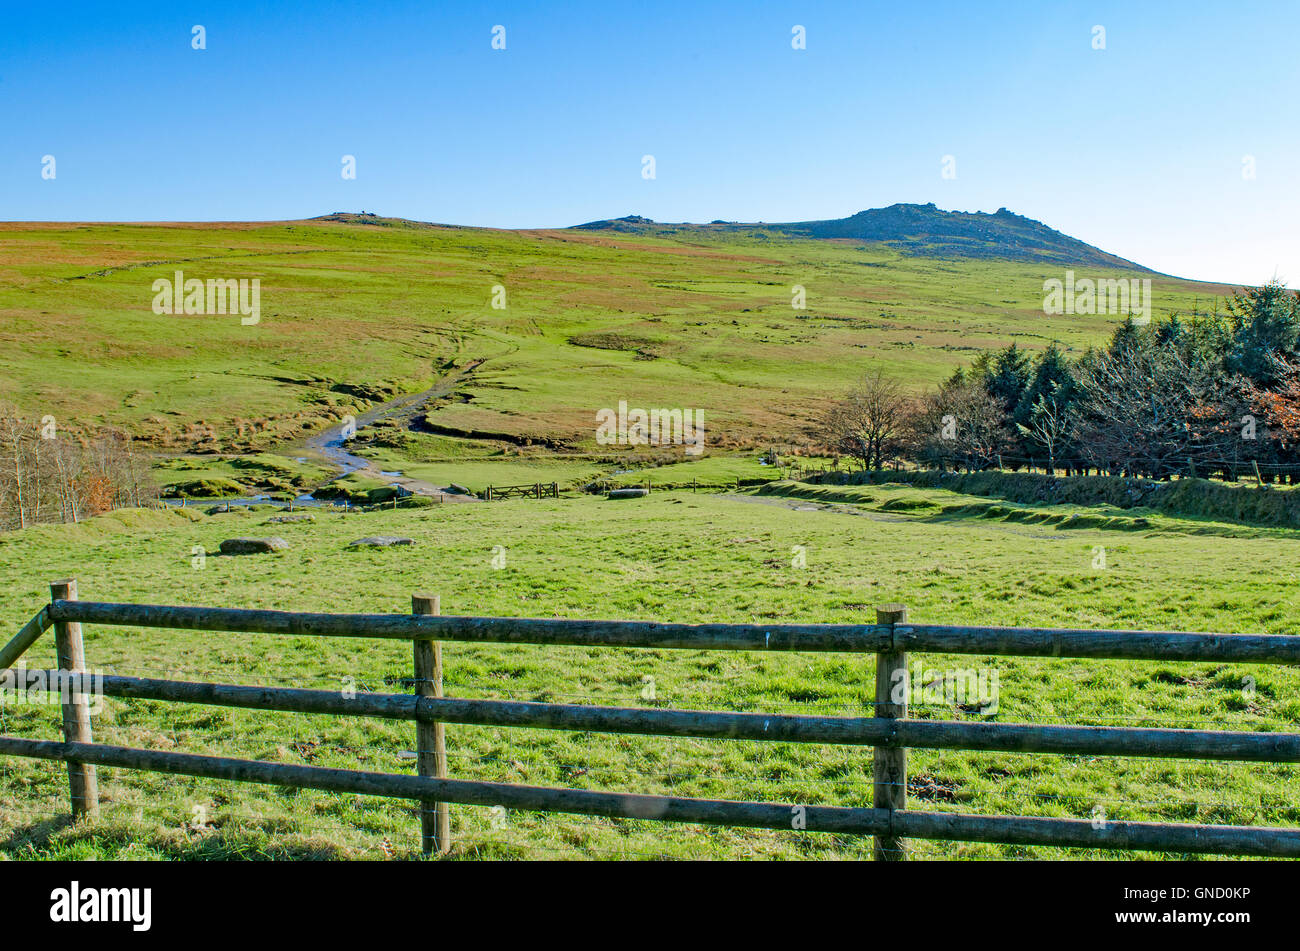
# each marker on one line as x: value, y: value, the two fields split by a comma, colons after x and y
x: 252, y: 546
x: 297, y: 517
x: 381, y: 541
x: 627, y: 493
x: 458, y: 489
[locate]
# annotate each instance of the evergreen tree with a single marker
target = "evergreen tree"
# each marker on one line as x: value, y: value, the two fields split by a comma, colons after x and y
x: 1051, y: 376
x: 1007, y: 376
x: 1126, y: 337
x: 1265, y: 332
x: 1045, y: 404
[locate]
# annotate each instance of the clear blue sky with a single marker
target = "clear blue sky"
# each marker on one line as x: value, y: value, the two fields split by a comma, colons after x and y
x: 1137, y: 148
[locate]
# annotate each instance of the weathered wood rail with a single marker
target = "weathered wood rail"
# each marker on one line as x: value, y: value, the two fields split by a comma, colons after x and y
x: 889, y: 731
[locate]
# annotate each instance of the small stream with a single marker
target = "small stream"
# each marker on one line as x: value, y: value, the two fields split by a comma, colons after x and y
x: 243, y: 501
x: 329, y: 445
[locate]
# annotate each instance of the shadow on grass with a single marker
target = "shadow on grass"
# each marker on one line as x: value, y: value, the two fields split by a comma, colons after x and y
x: 35, y: 835
x: 1046, y: 515
x: 59, y: 838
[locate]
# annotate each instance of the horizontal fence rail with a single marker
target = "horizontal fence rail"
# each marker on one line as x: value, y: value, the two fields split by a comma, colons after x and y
x: 934, y: 638
x: 789, y: 637
x: 769, y: 727
x: 1100, y: 645
x: 1181, y: 837
x: 890, y: 732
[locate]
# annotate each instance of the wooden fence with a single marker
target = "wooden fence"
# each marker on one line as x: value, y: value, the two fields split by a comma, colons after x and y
x: 538, y: 490
x: 889, y: 731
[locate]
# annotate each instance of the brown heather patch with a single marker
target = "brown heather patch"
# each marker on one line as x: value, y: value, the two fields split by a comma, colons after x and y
x: 1179, y: 286
x: 597, y: 239
x: 141, y: 225
x: 615, y: 299
x: 18, y: 252
x: 582, y: 274
x: 58, y: 329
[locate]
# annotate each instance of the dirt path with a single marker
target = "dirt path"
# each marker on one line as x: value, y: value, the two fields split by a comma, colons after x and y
x: 328, y: 445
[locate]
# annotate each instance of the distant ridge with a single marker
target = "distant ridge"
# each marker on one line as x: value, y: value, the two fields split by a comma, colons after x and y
x: 921, y: 230
x: 370, y: 218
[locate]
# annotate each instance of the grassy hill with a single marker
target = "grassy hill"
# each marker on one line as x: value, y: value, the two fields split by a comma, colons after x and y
x: 356, y: 309
x: 919, y: 230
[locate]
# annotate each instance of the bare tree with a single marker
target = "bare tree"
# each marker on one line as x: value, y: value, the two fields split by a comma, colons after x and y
x: 868, y: 423
x: 46, y: 476
x: 18, y: 486
x: 115, y: 468
x: 962, y: 425
x: 66, y: 462
x: 1148, y: 411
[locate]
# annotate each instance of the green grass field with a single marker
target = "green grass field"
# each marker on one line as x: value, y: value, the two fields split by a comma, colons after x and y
x: 477, y: 472
x: 354, y: 315
x: 354, y: 312
x: 220, y: 476
x: 673, y: 556
x: 574, y: 471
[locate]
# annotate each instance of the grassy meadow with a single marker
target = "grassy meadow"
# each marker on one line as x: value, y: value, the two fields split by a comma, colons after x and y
x: 354, y: 313
x: 573, y: 470
x: 676, y: 556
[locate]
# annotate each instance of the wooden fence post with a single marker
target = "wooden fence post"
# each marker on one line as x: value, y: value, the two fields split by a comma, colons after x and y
x: 889, y: 764
x: 431, y: 749
x: 82, y: 780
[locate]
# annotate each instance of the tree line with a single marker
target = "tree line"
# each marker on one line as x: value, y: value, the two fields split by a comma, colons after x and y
x: 1202, y: 394
x: 49, y: 476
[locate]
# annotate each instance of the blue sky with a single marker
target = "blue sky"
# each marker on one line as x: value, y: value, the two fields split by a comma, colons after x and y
x: 1137, y: 148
